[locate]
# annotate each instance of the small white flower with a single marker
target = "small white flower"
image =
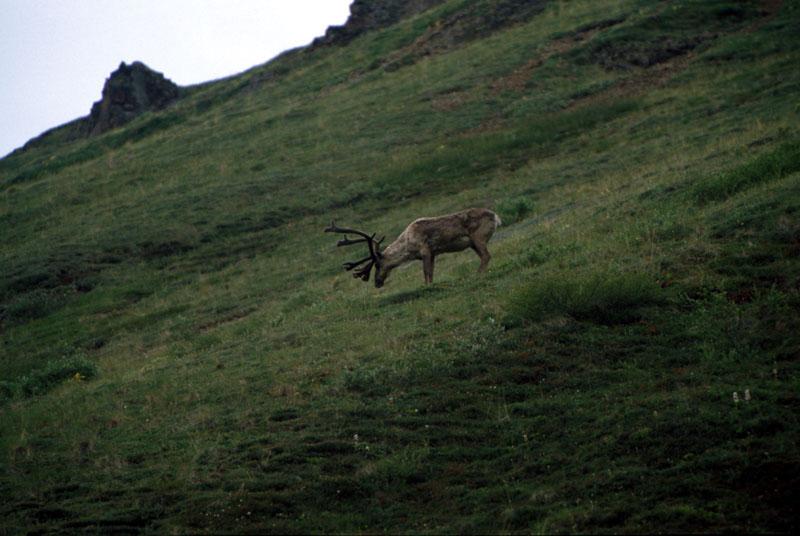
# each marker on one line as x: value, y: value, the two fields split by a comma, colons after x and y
x: 735, y: 397
x: 747, y: 395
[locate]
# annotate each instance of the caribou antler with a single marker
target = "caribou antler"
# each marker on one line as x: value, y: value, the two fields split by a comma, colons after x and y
x: 373, y: 245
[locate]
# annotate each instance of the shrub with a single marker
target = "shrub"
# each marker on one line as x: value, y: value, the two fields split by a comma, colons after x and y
x: 29, y: 307
x: 40, y: 381
x: 766, y: 167
x: 600, y: 297
x: 8, y: 390
x: 514, y: 210
x: 535, y: 255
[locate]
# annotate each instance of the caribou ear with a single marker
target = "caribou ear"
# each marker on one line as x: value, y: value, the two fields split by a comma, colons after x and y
x: 378, y: 254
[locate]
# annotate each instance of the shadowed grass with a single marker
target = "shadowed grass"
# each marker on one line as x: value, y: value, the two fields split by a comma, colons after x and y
x: 602, y: 297
x: 769, y: 166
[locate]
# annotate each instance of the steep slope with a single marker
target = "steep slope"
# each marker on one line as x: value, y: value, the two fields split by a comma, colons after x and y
x: 177, y: 333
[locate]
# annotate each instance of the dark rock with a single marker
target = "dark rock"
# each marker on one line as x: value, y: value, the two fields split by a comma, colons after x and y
x: 128, y: 92
x: 370, y: 15
x: 622, y: 55
x: 459, y: 26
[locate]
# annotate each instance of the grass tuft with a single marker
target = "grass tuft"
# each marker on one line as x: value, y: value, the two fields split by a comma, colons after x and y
x: 72, y: 368
x: 514, y: 210
x: 600, y: 297
x: 770, y: 166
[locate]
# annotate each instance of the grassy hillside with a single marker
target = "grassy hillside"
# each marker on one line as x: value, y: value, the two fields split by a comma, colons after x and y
x: 181, y: 351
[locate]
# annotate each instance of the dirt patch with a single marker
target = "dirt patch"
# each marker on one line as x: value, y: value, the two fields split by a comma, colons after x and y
x: 466, y: 25
x: 627, y: 56
x: 657, y: 66
x: 650, y: 64
x: 517, y: 80
x: 641, y: 82
x: 450, y: 101
x: 771, y: 8
x: 213, y: 323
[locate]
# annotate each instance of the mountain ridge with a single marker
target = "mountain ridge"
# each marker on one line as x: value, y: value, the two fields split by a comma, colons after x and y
x: 132, y: 85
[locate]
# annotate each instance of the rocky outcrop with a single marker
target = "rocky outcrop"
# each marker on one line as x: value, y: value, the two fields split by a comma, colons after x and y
x: 369, y: 15
x: 467, y: 23
x: 475, y: 21
x: 460, y: 25
x: 128, y: 92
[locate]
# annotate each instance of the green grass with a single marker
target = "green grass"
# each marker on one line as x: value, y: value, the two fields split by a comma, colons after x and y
x: 602, y: 297
x: 232, y: 378
x: 776, y: 164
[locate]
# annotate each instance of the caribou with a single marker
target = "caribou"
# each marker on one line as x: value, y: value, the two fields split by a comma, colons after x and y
x: 423, y: 239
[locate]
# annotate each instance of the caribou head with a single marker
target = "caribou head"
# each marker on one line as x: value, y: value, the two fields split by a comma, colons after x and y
x: 373, y: 259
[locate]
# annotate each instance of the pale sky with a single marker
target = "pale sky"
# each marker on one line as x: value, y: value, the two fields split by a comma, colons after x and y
x: 56, y: 54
